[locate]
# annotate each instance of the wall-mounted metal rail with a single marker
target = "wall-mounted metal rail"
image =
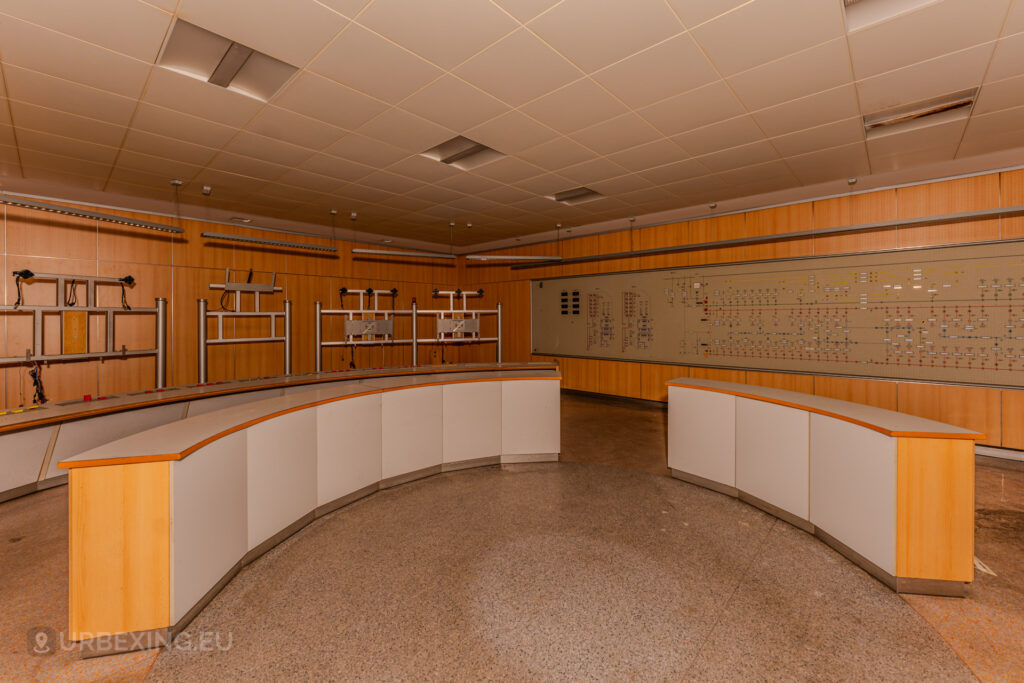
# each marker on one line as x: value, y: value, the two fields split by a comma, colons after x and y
x: 239, y: 288
x: 66, y: 290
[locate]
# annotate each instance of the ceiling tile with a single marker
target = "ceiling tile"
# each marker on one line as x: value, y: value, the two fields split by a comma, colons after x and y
x: 162, y: 121
x: 738, y: 157
x: 363, y: 193
x: 518, y: 68
x: 422, y: 168
x: 808, y: 112
x: 700, y: 189
x: 191, y: 96
x: 545, y: 184
x: 333, y: 167
x: 623, y: 183
x: 669, y: 68
x: 508, y: 170
x: 371, y: 64
x: 294, y: 128
x: 1000, y: 95
x: 994, y: 132
x: 575, y: 106
x: 407, y: 131
x: 641, y: 157
x: 940, y: 76
x: 729, y: 133
x: 170, y: 148
x: 590, y: 32
x: 268, y: 149
x: 453, y: 103
x: 695, y: 12
x: 511, y: 133
x: 328, y: 101
x: 91, y: 22
x: 446, y: 32
x: 506, y: 193
x: 556, y: 154
x: 436, y: 194
x: 56, y: 54
x: 615, y: 135
x: 758, y: 173
x: 1008, y: 59
x: 473, y: 204
x: 312, y: 181
x: 936, y: 29
x: 1014, y: 19
x: 225, y: 183
x: 36, y: 159
x: 55, y: 93
x: 846, y: 161
x: 821, y: 137
x: 942, y: 130
x: 161, y: 168
x: 812, y: 70
x: 247, y: 166
x: 524, y: 10
x: 61, y: 123
x: 7, y: 140
x: 391, y: 182
x: 675, y: 171
x: 57, y: 144
x: 366, y: 151
x: 290, y: 31
x: 708, y: 104
x: 593, y: 171
x: 767, y: 30
x: 350, y: 8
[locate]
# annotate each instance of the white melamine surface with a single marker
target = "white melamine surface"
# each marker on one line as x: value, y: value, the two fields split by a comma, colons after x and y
x: 531, y: 417
x: 702, y: 434
x: 348, y: 446
x: 209, y: 519
x: 201, y: 406
x: 471, y: 417
x: 853, y: 488
x: 410, y: 430
x: 772, y: 454
x: 281, y: 472
x: 886, y: 419
x: 21, y: 456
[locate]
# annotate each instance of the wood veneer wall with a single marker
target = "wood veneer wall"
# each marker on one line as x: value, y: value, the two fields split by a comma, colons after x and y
x: 997, y: 413
x: 180, y: 268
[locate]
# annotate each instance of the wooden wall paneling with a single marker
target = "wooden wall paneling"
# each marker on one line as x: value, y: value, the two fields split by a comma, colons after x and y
x: 1012, y: 418
x: 882, y: 394
x: 193, y: 251
x: 968, y: 407
x: 949, y: 196
x: 933, y: 476
x: 126, y: 587
x: 1011, y: 193
x: 871, y: 207
x: 259, y: 359
x: 713, y: 229
x: 670, y: 235
x: 719, y: 374
x: 134, y: 245
x: 189, y: 285
x: 313, y: 262
x: 613, y: 243
x: 778, y: 221
x: 37, y: 233
x: 618, y: 378
x: 582, y: 374
x: 653, y: 377
x: 789, y: 382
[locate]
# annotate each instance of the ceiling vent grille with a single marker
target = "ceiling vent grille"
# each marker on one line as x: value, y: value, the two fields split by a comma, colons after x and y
x: 917, y: 113
x: 204, y: 55
x: 577, y: 195
x: 462, y: 153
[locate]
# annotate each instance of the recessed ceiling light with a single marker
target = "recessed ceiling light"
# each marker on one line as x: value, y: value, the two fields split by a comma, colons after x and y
x: 851, y: 181
x: 239, y: 219
x: 577, y: 195
x: 896, y: 119
x: 462, y: 153
x: 387, y: 241
x: 713, y: 205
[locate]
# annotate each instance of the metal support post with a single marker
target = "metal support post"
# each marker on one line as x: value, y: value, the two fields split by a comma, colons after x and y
x: 318, y: 335
x: 161, y: 343
x: 415, y: 336
x: 499, y: 333
x: 287, y: 337
x: 202, y: 341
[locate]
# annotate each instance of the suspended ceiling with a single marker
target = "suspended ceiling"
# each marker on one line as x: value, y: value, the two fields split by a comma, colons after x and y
x: 656, y: 104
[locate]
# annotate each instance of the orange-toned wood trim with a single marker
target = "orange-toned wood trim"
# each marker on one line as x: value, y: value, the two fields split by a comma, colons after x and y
x: 135, y: 459
x: 178, y: 398
x: 838, y: 416
x: 119, y: 549
x: 934, y: 509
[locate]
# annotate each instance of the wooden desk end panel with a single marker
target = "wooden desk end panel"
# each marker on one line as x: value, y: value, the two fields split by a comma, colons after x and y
x: 119, y: 549
x: 935, y: 509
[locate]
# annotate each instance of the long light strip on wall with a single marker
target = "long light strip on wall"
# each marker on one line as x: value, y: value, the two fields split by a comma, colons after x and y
x: 269, y: 243
x: 82, y: 213
x: 509, y: 257
x: 417, y: 254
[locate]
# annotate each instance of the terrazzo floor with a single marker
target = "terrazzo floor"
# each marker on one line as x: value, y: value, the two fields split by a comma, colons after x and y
x: 549, y: 572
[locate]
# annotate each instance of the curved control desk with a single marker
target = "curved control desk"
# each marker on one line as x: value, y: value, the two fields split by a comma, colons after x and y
x: 892, y: 492
x: 162, y: 519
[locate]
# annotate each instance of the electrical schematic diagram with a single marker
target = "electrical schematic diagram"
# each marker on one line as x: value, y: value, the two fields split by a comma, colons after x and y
x: 953, y: 314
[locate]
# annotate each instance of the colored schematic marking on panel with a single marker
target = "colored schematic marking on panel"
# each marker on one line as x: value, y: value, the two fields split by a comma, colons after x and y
x: 951, y: 314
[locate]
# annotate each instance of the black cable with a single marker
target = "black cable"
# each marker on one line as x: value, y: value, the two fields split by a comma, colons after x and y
x: 36, y: 373
x: 19, y: 275
x: 72, y: 297
x: 223, y: 297
x: 126, y: 280
x: 352, y: 358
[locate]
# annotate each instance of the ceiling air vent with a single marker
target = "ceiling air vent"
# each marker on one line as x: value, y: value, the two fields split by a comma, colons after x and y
x: 202, y: 54
x: 579, y: 195
x: 920, y: 114
x: 462, y: 153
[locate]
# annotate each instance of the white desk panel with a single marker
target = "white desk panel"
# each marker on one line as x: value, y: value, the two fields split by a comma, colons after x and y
x: 348, y: 446
x: 411, y: 435
x: 531, y: 417
x: 472, y: 421
x: 202, y: 406
x: 280, y: 473
x: 21, y: 456
x: 853, y: 488
x: 702, y: 434
x: 772, y: 454
x: 209, y: 519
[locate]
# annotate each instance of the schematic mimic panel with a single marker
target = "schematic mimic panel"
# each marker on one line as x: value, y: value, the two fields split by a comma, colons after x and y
x: 949, y: 314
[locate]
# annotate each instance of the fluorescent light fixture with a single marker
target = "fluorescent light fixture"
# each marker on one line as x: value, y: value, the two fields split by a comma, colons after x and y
x: 577, y: 195
x: 462, y: 153
x: 417, y: 254
x: 912, y: 113
x: 81, y: 213
x: 500, y: 257
x: 861, y: 14
x: 269, y: 243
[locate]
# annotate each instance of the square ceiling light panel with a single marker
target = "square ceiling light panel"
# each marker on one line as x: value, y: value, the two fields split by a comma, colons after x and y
x: 207, y: 56
x: 463, y: 153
